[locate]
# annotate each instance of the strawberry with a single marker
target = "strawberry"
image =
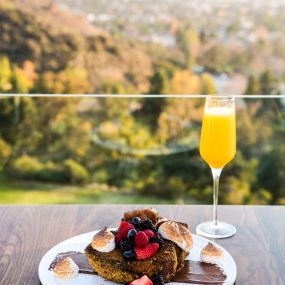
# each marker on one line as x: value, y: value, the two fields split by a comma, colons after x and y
x: 147, y: 252
x: 142, y: 281
x: 118, y: 238
x: 141, y: 240
x: 124, y: 231
x: 149, y: 233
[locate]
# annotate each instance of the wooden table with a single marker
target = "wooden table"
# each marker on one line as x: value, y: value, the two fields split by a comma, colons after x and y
x: 27, y: 232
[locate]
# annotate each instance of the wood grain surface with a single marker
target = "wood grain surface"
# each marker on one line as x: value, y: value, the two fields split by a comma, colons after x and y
x: 27, y: 232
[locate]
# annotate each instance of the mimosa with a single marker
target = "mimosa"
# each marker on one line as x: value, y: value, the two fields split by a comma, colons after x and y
x: 218, y: 137
x: 217, y: 148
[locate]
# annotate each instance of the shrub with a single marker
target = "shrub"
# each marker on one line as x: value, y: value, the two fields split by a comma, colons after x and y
x: 26, y: 167
x: 5, y: 152
x: 75, y: 172
x: 100, y: 176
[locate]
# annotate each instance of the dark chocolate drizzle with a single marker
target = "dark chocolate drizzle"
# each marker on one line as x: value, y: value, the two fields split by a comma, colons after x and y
x: 194, y: 272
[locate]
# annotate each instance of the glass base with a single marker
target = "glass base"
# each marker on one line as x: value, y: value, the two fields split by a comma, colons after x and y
x: 210, y: 230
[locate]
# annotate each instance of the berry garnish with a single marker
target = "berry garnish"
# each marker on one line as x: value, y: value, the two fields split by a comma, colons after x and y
x: 129, y: 255
x: 147, y: 252
x: 156, y: 239
x: 123, y: 224
x: 125, y: 245
x: 131, y: 234
x: 141, y: 240
x: 124, y: 231
x: 136, y: 221
x: 157, y: 280
x: 118, y: 238
x: 142, y: 281
x: 148, y: 225
x: 149, y: 233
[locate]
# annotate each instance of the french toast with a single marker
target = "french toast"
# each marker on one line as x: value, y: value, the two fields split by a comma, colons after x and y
x: 144, y: 244
x: 112, y: 265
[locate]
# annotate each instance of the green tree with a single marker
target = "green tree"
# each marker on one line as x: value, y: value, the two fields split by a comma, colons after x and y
x: 159, y: 82
x: 207, y: 84
x: 268, y: 83
x: 271, y: 172
x: 152, y: 107
x: 253, y: 86
x: 189, y: 42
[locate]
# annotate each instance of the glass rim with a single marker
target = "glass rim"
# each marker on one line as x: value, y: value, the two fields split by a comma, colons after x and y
x: 220, y: 98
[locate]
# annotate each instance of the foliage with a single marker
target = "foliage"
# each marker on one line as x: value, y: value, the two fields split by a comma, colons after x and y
x: 53, y: 139
x: 208, y: 84
x: 5, y: 153
x: 75, y: 172
x: 31, y: 168
x: 189, y: 42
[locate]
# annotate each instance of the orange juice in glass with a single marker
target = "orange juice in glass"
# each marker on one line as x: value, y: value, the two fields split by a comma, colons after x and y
x: 217, y: 148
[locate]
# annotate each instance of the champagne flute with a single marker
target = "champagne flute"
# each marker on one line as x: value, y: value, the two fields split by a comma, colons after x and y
x: 217, y: 148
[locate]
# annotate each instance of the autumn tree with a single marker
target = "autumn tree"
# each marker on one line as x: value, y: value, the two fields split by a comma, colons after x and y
x: 185, y: 82
x: 207, y: 84
x: 5, y: 74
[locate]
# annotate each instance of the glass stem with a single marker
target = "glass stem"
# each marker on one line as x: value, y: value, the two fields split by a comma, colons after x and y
x: 216, y: 172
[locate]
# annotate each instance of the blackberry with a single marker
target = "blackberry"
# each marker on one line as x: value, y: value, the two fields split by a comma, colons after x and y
x: 129, y: 255
x: 156, y: 239
x: 125, y: 245
x: 157, y: 280
x: 148, y: 225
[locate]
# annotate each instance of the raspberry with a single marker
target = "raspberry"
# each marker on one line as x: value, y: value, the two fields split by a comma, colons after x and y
x: 118, y: 238
x: 141, y: 240
x: 149, y: 233
x: 147, y: 252
x: 124, y: 231
x: 123, y: 224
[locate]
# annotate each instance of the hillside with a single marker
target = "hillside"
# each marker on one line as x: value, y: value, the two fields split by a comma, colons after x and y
x: 55, y: 39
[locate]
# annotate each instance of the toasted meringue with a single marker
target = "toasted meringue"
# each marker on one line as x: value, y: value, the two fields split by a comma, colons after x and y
x: 65, y: 268
x: 104, y: 241
x: 177, y: 233
x: 211, y: 254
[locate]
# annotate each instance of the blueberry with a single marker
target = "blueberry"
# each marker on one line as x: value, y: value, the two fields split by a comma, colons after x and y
x: 136, y: 221
x: 129, y: 255
x: 131, y: 234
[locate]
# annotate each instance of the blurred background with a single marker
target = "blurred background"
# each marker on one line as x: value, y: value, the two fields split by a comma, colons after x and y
x: 138, y: 150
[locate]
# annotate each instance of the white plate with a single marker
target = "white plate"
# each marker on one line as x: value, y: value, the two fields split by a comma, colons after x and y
x: 78, y: 243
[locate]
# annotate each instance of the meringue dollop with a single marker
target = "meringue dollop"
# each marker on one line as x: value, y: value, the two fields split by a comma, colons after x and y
x: 103, y: 241
x: 177, y: 233
x: 211, y: 254
x: 65, y: 268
